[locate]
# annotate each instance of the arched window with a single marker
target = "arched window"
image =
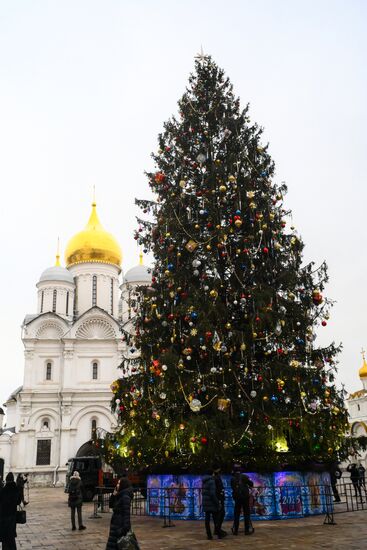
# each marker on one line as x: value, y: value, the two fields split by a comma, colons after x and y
x: 94, y: 290
x: 95, y: 371
x: 111, y: 296
x: 45, y: 425
x: 94, y: 427
x: 67, y: 303
x: 42, y: 296
x: 48, y: 371
x: 54, y: 298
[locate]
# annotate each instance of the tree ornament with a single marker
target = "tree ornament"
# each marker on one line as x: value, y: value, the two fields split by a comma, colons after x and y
x: 195, y: 405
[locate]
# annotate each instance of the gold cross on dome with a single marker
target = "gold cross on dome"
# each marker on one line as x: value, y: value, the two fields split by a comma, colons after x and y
x: 363, y: 353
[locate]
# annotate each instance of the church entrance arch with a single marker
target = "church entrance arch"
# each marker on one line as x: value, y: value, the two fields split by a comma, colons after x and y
x: 1, y: 468
x: 87, y: 449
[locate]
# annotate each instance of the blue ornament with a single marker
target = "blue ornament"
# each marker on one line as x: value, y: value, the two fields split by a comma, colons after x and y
x: 274, y: 398
x: 151, y: 380
x: 117, y: 445
x: 201, y: 339
x: 170, y: 267
x: 194, y: 315
x: 242, y: 414
x: 243, y: 266
x: 238, y: 212
x: 264, y: 174
x: 299, y: 341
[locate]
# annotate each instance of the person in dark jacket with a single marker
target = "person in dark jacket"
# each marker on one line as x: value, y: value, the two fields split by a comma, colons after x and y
x: 221, y: 496
x: 335, y: 474
x: 75, y: 500
x: 362, y: 475
x: 241, y: 484
x: 21, y: 481
x: 211, y: 505
x: 9, y: 500
x: 120, y: 502
x: 355, y: 479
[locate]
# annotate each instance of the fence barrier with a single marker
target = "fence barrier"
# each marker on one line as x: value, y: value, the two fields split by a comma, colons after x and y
x: 276, y: 502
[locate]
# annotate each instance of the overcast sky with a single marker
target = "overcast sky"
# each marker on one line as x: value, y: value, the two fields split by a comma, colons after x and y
x: 86, y: 85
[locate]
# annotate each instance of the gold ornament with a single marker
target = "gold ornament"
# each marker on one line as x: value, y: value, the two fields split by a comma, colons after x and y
x: 182, y: 184
x: 222, y: 188
x: 223, y: 404
x: 213, y: 294
x: 238, y: 223
x: 243, y: 346
x: 191, y: 245
x: 232, y: 179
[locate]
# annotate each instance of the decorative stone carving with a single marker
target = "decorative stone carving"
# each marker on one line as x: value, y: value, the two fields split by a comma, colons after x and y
x: 68, y: 354
x: 96, y: 329
x: 49, y: 331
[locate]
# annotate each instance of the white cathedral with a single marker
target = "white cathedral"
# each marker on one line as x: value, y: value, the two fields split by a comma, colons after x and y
x: 72, y: 348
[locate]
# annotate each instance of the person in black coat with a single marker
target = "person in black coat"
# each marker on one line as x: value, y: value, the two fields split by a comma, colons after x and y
x: 241, y: 484
x: 120, y: 502
x: 221, y: 496
x: 75, y: 500
x: 211, y: 505
x: 335, y: 474
x: 355, y: 479
x: 9, y: 500
x: 22, y: 479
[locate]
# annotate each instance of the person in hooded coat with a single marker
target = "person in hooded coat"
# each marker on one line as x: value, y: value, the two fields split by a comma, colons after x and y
x: 9, y: 500
x: 211, y: 506
x: 75, y: 500
x: 120, y: 502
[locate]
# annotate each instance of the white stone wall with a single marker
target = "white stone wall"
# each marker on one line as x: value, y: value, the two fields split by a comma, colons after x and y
x: 48, y: 288
x: 83, y: 276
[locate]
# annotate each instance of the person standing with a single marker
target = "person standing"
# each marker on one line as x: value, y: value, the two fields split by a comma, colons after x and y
x: 120, y: 501
x: 241, y: 484
x: 21, y: 481
x: 9, y: 500
x: 354, y: 477
x: 362, y: 473
x: 211, y: 505
x: 75, y: 500
x: 219, y: 489
x: 335, y: 474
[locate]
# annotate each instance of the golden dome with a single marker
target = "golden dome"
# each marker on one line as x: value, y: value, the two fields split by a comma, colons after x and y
x: 363, y: 369
x: 93, y: 244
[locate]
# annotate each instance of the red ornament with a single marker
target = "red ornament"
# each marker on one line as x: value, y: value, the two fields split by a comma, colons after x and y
x: 324, y: 323
x: 265, y: 250
x: 204, y: 440
x: 159, y: 177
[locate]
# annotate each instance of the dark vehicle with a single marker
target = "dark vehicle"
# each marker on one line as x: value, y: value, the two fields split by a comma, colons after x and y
x: 91, y: 474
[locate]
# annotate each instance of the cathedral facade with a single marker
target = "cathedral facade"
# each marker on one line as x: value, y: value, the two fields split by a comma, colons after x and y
x: 72, y: 350
x: 357, y: 408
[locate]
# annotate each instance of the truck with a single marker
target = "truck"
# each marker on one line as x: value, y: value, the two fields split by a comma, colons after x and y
x: 91, y: 473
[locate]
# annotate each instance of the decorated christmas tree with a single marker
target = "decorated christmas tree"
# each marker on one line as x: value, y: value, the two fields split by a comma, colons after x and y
x: 228, y: 369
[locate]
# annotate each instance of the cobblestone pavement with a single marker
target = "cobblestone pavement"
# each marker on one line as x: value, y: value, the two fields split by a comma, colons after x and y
x: 48, y: 528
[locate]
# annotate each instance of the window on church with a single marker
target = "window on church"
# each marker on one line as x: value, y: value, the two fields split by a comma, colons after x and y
x: 67, y: 303
x: 54, y: 298
x: 94, y: 291
x: 94, y: 427
x: 43, y: 452
x: 359, y: 407
x: 42, y: 296
x: 48, y: 371
x: 95, y: 371
x: 111, y: 296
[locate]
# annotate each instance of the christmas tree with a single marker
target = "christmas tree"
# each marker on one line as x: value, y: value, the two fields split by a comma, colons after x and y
x: 229, y: 370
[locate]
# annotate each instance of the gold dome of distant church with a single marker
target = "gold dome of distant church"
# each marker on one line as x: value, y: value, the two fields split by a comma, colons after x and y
x: 93, y: 244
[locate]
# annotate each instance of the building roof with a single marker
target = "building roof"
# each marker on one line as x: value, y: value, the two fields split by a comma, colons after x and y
x: 93, y: 244
x: 56, y: 273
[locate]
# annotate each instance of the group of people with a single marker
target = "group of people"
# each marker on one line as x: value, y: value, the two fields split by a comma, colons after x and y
x: 213, y: 499
x: 120, y: 502
x: 357, y: 477
x: 11, y: 496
